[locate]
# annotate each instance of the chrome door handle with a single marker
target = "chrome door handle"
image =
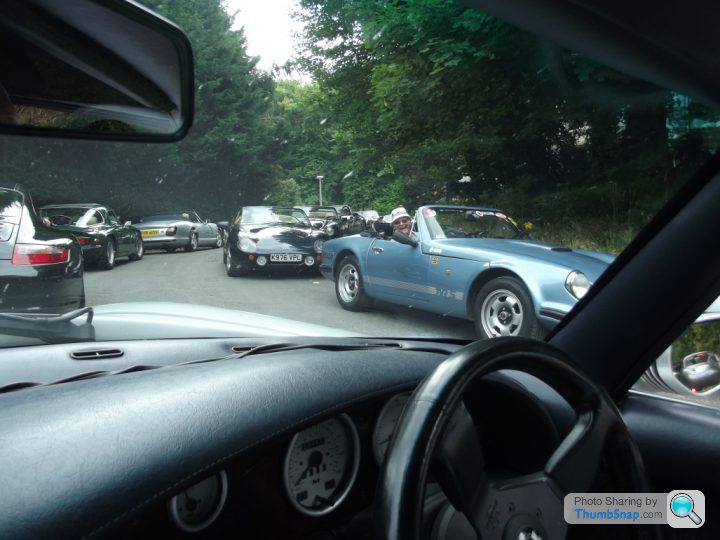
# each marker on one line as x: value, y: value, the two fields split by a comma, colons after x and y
x: 378, y: 249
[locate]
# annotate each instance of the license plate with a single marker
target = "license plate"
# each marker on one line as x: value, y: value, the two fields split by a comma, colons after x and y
x: 285, y: 257
x: 150, y: 232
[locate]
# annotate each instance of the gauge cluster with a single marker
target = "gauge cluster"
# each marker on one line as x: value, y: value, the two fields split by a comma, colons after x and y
x: 323, y: 477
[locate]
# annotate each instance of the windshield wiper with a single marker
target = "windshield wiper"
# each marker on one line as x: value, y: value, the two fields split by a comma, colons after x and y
x: 49, y: 328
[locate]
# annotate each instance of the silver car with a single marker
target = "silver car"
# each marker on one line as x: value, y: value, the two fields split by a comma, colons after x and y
x: 173, y: 230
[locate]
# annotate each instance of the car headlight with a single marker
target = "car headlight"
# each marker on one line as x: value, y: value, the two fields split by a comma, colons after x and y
x: 330, y: 230
x: 317, y: 246
x: 577, y: 284
x: 247, y: 245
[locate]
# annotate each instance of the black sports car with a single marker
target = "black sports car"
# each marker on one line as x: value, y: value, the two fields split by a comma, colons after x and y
x: 41, y: 269
x: 272, y: 237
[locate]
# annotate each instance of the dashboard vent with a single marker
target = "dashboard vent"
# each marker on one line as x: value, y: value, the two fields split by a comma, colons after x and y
x: 96, y: 354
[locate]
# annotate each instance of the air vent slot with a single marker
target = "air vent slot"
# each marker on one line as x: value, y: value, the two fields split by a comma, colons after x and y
x: 561, y: 249
x: 96, y: 354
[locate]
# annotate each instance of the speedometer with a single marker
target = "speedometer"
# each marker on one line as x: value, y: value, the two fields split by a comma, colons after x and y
x: 321, y: 464
x: 385, y: 425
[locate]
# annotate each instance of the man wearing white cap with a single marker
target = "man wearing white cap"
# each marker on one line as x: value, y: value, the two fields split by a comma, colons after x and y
x: 401, y: 221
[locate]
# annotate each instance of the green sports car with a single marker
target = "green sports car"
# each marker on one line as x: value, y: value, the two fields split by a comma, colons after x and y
x: 101, y: 234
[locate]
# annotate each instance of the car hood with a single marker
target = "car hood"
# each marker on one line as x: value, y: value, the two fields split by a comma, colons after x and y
x: 281, y: 232
x: 590, y: 262
x: 167, y: 320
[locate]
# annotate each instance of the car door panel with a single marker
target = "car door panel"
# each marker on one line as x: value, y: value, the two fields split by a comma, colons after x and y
x: 398, y: 272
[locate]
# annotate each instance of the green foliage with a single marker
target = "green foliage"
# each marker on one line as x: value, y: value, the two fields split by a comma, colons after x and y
x: 286, y: 193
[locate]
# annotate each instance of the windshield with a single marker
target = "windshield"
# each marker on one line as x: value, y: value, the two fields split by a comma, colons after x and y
x: 78, y: 216
x: 487, y: 147
x: 314, y: 212
x: 273, y: 216
x: 470, y: 223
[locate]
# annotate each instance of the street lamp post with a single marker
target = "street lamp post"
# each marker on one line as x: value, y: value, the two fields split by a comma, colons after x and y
x: 320, y: 179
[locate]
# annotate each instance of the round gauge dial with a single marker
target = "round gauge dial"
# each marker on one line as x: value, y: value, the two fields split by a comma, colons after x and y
x: 198, y: 506
x: 321, y: 465
x: 385, y: 425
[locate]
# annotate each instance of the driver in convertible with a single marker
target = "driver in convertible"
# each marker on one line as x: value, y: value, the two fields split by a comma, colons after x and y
x: 402, y: 222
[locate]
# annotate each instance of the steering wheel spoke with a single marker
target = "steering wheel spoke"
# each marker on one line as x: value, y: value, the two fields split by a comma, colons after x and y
x: 574, y: 464
x: 459, y: 464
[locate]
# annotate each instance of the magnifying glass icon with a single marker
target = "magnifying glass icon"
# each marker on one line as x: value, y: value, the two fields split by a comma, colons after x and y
x: 682, y: 506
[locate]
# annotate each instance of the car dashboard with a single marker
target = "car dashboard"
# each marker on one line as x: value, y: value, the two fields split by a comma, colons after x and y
x: 222, y: 437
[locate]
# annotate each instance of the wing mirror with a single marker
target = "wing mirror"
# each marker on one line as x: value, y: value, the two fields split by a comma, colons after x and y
x: 404, y: 239
x: 690, y: 367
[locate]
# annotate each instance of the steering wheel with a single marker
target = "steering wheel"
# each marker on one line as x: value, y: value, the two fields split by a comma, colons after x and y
x: 436, y: 429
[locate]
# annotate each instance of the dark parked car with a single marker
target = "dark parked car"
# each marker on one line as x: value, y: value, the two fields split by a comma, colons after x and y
x: 183, y: 229
x: 272, y: 237
x: 98, y: 229
x: 326, y: 219
x: 41, y: 269
x: 350, y: 222
x: 370, y: 216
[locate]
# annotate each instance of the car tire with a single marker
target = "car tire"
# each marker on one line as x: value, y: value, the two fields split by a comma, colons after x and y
x: 192, y: 244
x: 231, y: 270
x: 349, y: 286
x: 503, y: 307
x: 107, y: 257
x: 139, y: 250
x: 218, y: 240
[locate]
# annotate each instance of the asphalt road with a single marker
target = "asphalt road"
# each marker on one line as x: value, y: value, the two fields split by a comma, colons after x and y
x: 200, y: 278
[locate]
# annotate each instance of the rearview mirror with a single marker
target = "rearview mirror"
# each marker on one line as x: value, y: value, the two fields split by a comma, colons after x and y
x: 97, y: 69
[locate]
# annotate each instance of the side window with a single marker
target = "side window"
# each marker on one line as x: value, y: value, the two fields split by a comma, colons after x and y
x: 112, y: 218
x: 238, y: 218
x: 195, y: 218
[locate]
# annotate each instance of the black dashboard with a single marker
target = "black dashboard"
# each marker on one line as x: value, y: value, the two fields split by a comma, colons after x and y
x: 191, y: 438
x: 198, y: 443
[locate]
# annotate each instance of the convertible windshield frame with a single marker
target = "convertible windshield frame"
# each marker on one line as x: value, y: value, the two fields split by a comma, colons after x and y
x: 471, y: 222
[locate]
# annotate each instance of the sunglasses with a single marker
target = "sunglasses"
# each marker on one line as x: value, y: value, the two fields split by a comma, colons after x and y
x: 402, y: 221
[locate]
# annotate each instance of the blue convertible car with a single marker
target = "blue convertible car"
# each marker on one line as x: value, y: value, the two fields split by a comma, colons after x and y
x: 467, y: 262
